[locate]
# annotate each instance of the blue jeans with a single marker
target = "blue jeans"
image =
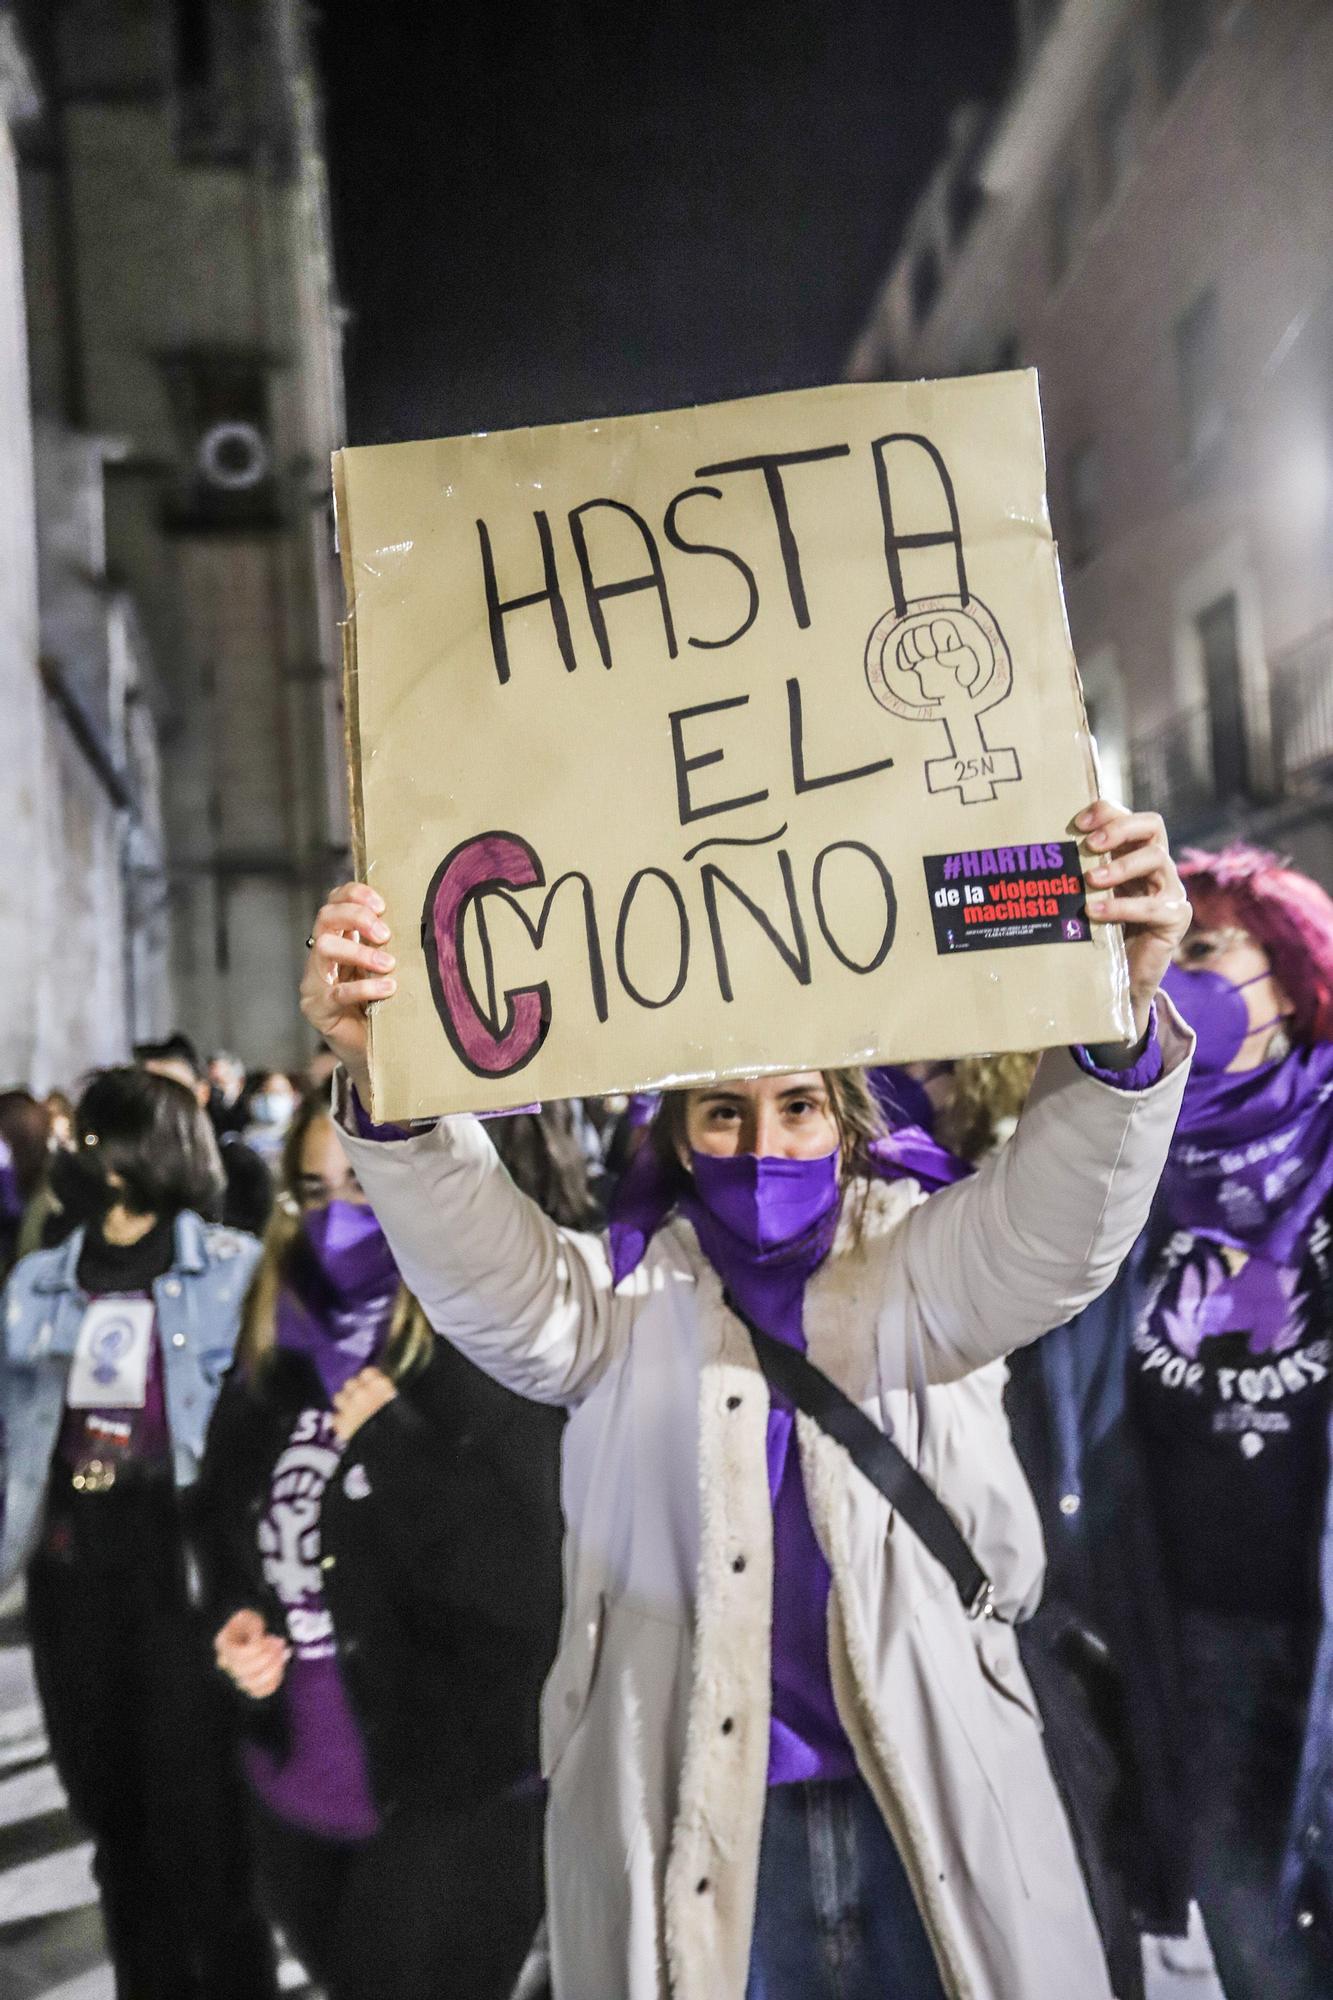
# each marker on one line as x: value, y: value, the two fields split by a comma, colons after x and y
x: 835, y: 1918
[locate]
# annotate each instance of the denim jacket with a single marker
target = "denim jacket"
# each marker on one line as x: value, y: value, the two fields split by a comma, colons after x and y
x: 198, y: 1305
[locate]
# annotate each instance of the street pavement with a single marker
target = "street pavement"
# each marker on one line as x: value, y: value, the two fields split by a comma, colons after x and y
x: 51, y: 1943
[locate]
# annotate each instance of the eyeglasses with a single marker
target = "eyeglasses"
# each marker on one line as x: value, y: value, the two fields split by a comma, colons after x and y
x: 312, y: 1191
x: 1198, y: 947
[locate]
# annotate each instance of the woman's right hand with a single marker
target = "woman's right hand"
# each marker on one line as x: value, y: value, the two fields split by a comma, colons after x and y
x: 250, y: 1655
x: 348, y: 967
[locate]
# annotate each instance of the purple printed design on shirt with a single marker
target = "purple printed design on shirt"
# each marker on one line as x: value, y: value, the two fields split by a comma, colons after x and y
x: 1262, y: 1300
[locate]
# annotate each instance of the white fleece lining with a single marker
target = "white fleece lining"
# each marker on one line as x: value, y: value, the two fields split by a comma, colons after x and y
x: 724, y: 1776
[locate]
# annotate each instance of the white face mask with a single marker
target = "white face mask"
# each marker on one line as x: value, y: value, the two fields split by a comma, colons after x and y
x: 272, y: 1107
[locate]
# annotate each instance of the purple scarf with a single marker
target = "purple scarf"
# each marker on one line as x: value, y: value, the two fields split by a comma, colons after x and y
x: 647, y: 1192
x: 1252, y: 1160
x: 806, y: 1738
x: 338, y: 1296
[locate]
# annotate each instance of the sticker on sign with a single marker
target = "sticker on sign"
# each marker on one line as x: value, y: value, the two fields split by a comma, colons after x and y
x: 989, y: 897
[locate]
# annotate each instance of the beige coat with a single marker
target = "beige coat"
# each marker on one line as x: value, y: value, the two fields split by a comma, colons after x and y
x: 655, y: 1716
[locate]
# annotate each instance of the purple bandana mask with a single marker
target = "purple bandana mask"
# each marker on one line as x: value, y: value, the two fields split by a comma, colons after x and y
x: 648, y: 1191
x: 350, y: 1249
x: 766, y: 1203
x: 337, y: 1305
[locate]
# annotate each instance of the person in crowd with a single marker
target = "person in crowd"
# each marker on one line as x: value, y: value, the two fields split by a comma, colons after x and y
x: 12, y: 1206
x: 912, y: 1093
x: 248, y: 1197
x: 985, y: 1096
x: 379, y: 1532
x: 783, y: 1759
x: 226, y: 1084
x: 267, y: 1108
x: 60, y: 1119
x: 114, y: 1347
x: 317, y: 1075
x: 543, y: 1150
x: 40, y: 1225
x: 1177, y: 1435
x: 25, y: 1128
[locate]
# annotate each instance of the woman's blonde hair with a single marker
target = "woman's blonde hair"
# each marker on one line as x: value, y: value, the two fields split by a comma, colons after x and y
x: 988, y: 1094
x: 856, y: 1114
x: 410, y: 1338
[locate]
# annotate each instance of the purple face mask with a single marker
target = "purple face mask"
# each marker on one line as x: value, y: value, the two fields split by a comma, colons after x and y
x: 350, y: 1248
x: 1214, y: 1007
x: 338, y: 1313
x: 764, y: 1202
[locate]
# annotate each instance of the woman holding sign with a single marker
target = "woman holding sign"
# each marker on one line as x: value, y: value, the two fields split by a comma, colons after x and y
x: 790, y: 1745
x: 114, y: 1347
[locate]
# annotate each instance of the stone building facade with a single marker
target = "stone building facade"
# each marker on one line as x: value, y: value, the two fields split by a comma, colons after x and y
x: 184, y: 351
x: 80, y: 891
x: 1146, y: 220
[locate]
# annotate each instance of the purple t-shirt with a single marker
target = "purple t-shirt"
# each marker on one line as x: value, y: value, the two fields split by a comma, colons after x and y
x: 323, y: 1783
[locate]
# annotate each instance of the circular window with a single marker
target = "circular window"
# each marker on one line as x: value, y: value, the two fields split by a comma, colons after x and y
x: 233, y: 456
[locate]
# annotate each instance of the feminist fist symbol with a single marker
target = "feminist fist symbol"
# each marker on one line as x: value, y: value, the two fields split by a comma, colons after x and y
x: 937, y: 643
x: 942, y: 661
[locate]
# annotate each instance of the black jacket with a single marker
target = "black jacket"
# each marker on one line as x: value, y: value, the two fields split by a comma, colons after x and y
x: 440, y: 1544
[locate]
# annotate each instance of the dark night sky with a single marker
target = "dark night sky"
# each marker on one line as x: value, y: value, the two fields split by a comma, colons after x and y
x: 598, y: 207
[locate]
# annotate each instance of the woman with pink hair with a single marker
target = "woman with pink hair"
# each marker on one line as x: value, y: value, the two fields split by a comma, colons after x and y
x: 1179, y: 1442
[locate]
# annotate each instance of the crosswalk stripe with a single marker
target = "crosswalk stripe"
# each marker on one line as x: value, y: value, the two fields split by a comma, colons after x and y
x: 30, y: 1794
x: 98, y: 1984
x: 43, y: 1888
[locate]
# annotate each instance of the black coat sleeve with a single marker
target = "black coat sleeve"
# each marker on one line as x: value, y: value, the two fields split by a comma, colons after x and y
x: 220, y: 1510
x: 465, y: 1481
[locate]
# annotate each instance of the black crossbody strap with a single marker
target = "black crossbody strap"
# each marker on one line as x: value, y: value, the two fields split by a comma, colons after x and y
x: 876, y: 1456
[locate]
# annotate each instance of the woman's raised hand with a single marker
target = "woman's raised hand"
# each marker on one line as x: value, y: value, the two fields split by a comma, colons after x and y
x: 348, y: 967
x: 1133, y: 882
x: 250, y: 1655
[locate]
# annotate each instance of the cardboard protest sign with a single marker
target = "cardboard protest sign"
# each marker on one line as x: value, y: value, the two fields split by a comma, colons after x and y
x: 730, y: 739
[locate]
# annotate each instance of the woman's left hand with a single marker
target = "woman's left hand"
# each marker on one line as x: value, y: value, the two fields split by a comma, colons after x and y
x: 1133, y: 881
x: 360, y: 1398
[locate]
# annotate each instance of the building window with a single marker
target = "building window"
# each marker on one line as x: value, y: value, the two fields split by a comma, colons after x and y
x: 1219, y: 641
x: 1199, y: 377
x: 925, y: 284
x: 1063, y: 227
x: 1083, y: 489
x: 220, y: 404
x: 1182, y: 37
x: 1115, y: 124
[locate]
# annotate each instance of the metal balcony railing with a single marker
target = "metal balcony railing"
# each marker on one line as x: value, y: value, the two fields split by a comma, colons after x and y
x: 1174, y: 767
x: 1302, y: 687
x: 1171, y: 768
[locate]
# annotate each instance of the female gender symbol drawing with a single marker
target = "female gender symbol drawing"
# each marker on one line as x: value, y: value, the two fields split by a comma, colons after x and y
x: 110, y: 1345
x: 939, y: 659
